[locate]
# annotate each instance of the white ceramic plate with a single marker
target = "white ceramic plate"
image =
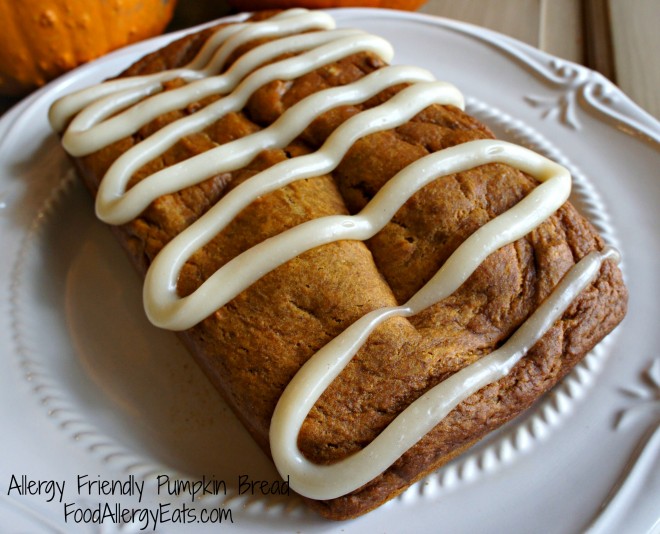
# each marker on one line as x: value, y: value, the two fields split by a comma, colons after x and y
x: 88, y: 387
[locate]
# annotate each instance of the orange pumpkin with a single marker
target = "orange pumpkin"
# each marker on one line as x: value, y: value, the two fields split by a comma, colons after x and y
x: 256, y: 5
x: 41, y: 39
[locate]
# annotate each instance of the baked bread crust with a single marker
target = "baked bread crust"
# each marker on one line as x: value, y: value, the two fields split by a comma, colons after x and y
x: 253, y: 346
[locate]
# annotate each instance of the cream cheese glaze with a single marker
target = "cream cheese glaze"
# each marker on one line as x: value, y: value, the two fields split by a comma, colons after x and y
x: 330, y: 481
x: 98, y: 116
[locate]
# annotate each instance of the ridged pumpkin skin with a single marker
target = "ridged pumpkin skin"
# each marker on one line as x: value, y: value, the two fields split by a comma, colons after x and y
x: 41, y: 39
x: 256, y: 5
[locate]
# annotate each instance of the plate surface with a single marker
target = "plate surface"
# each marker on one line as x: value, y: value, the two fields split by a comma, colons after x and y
x: 90, y: 388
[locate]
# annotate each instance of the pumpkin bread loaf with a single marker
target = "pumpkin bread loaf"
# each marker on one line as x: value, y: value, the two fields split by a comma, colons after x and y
x: 253, y: 346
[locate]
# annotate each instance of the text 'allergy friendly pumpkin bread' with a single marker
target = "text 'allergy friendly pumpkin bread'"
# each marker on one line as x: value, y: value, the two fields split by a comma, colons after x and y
x: 371, y: 281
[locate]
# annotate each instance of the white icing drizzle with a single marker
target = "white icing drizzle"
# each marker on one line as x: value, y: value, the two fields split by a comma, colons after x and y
x: 90, y: 130
x: 166, y: 309
x: 208, y: 61
x: 115, y: 205
x: 330, y: 481
x: 110, y: 111
x: 162, y: 304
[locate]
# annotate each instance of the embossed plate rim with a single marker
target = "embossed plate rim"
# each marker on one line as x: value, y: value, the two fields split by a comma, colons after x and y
x: 17, y: 115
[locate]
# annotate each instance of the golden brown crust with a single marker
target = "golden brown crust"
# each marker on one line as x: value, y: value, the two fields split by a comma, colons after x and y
x: 252, y: 347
